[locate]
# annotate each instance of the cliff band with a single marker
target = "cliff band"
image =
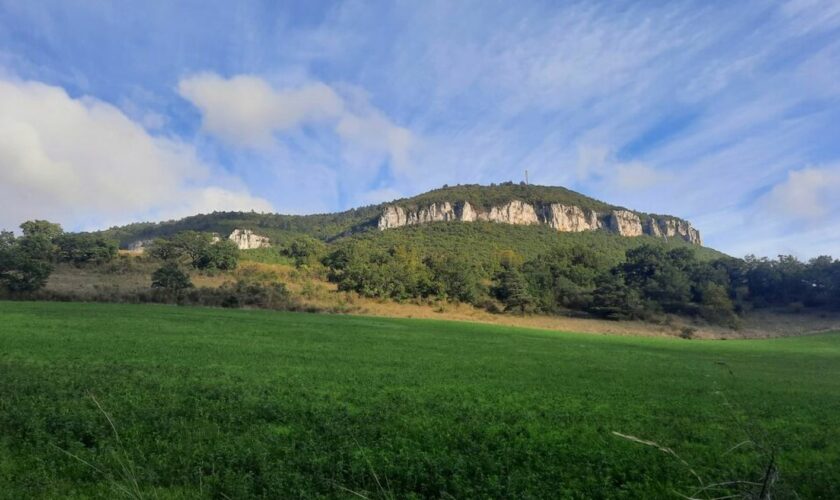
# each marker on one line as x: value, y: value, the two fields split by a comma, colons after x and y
x: 564, y: 218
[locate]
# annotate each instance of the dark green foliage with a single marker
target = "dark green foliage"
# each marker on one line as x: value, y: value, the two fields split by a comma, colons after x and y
x: 558, y: 272
x: 613, y: 299
x: 652, y: 281
x: 164, y: 249
x: 304, y: 250
x: 660, y: 277
x: 279, y: 228
x: 456, y: 278
x: 26, y: 262
x: 21, y: 272
x: 222, y: 255
x: 499, y: 194
x: 171, y: 278
x: 199, y: 250
x: 215, y: 403
x: 194, y: 246
x: 242, y: 293
x: 565, y: 277
x: 84, y: 248
x: 41, y: 228
x: 398, y: 273
x: 511, y: 289
x: 788, y: 282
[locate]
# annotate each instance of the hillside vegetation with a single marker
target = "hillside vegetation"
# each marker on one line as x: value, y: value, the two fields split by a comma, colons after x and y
x: 499, y: 194
x: 500, y: 268
x: 329, y: 227
x: 217, y: 403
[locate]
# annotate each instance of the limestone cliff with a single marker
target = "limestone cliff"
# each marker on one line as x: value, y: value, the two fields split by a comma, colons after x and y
x: 246, y: 239
x: 563, y: 218
x: 570, y: 218
x: 625, y: 223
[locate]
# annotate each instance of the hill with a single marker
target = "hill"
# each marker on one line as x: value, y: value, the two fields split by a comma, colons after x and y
x: 557, y: 207
x: 243, y: 404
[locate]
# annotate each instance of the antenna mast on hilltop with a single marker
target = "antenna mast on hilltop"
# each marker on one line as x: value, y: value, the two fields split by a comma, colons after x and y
x: 526, y: 176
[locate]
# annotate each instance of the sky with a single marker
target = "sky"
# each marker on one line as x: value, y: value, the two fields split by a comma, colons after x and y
x: 724, y: 113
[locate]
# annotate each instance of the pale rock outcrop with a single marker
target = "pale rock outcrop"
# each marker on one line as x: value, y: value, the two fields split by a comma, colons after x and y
x: 514, y: 212
x: 652, y: 228
x: 139, y: 245
x: 436, y: 212
x: 625, y: 223
x: 393, y: 216
x: 396, y: 216
x: 569, y: 218
x: 246, y: 239
x: 671, y: 228
x: 465, y: 212
x: 563, y: 218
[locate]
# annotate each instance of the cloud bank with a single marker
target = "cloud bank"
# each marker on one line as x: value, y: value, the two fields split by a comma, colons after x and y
x: 80, y: 159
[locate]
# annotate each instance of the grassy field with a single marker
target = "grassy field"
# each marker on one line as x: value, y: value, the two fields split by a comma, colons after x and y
x: 233, y: 404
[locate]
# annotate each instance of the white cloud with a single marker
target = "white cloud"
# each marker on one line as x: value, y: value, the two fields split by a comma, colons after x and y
x: 247, y: 111
x: 80, y: 161
x: 806, y: 195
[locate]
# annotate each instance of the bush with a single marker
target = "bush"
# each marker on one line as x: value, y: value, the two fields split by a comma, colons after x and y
x: 171, y: 278
x: 304, y: 250
x: 687, y: 332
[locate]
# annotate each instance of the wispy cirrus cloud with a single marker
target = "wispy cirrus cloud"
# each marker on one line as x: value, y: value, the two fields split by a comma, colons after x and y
x: 247, y: 110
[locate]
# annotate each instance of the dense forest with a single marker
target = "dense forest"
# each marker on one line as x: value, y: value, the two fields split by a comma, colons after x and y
x: 522, y: 269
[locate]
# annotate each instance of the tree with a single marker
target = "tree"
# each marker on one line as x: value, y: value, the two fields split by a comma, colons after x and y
x: 84, y: 249
x: 26, y: 262
x: 164, y: 249
x: 660, y: 277
x: 512, y: 289
x: 715, y: 304
x: 198, y: 249
x: 171, y: 278
x: 41, y: 228
x: 305, y: 250
x: 194, y: 245
x: 564, y: 278
x: 222, y: 255
x: 613, y: 299
x: 457, y: 278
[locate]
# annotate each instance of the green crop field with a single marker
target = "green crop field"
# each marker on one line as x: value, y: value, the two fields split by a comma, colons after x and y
x: 234, y: 404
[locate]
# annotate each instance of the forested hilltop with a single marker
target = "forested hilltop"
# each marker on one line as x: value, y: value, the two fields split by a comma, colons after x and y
x: 332, y: 226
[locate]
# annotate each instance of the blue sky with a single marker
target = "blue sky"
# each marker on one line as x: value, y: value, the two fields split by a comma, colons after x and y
x: 725, y: 113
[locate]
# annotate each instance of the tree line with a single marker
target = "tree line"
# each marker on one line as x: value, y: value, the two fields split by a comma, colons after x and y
x: 598, y: 275
x: 648, y: 282
x: 26, y: 262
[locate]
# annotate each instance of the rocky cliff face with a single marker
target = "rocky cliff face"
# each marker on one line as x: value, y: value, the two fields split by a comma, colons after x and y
x: 246, y: 239
x: 570, y: 218
x: 625, y: 223
x: 563, y: 218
